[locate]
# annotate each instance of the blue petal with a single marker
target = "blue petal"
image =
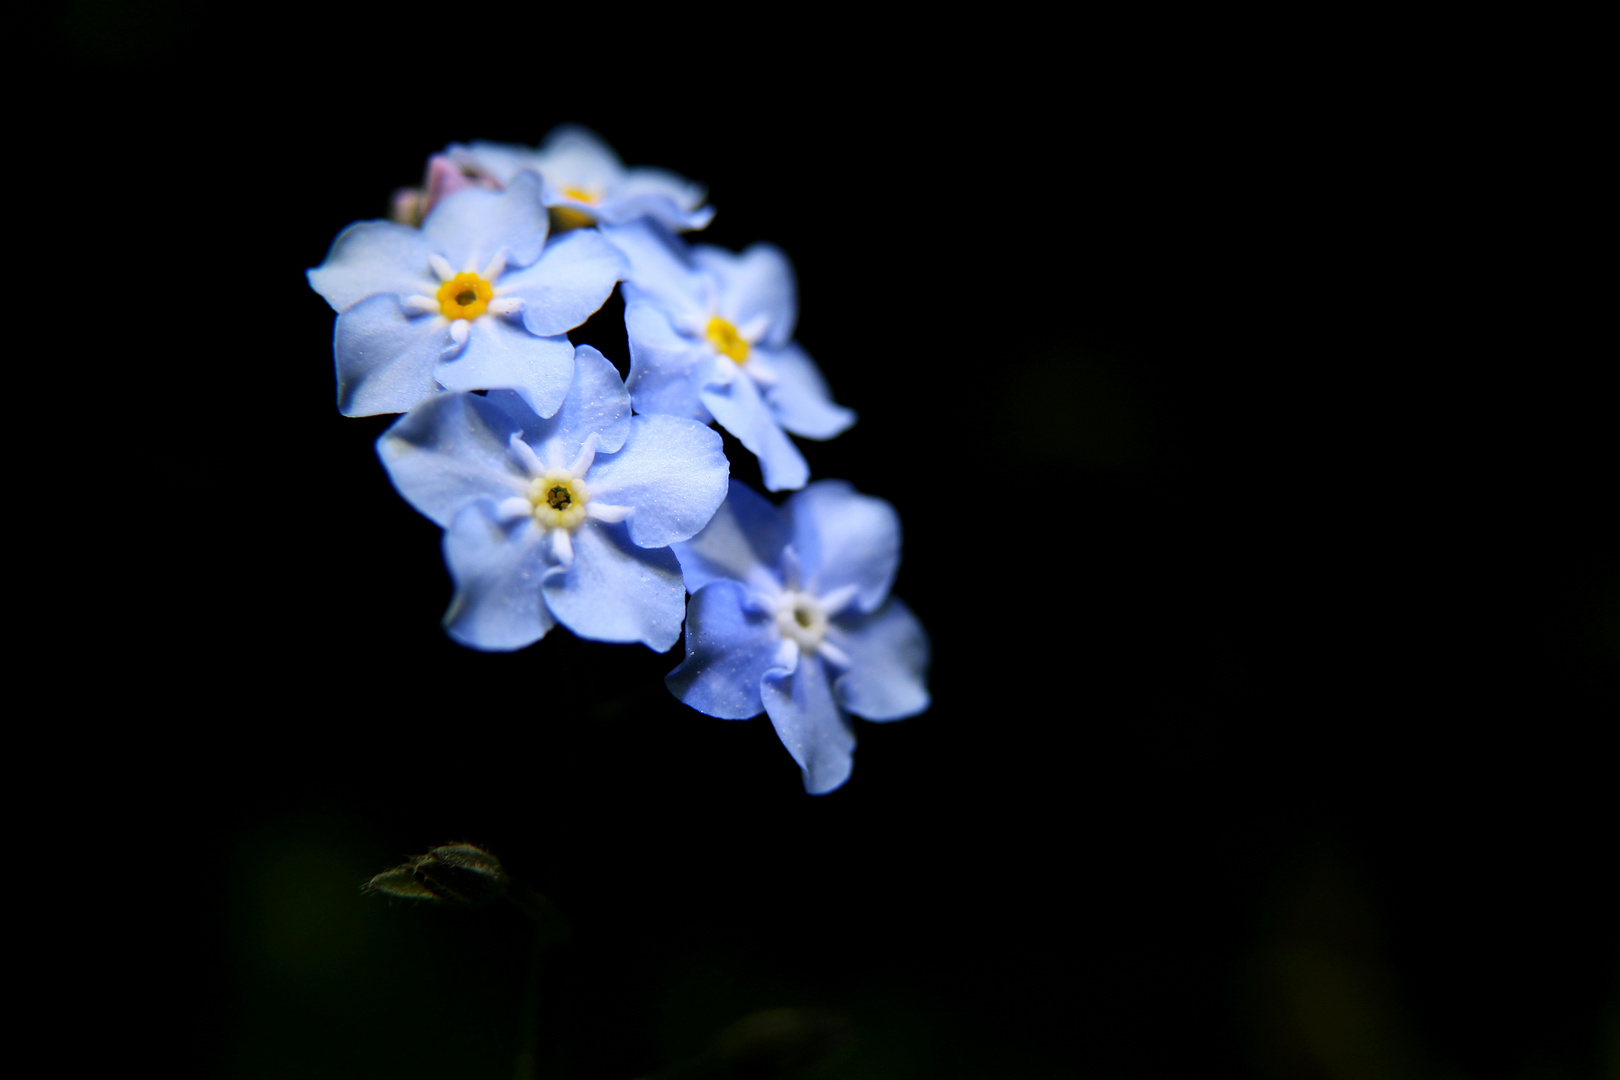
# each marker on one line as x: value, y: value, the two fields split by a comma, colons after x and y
x: 799, y: 398
x: 501, y: 161
x: 662, y: 364
x: 384, y: 359
x: 616, y: 591
x: 569, y: 282
x: 742, y: 542
x: 452, y: 450
x: 501, y: 354
x: 373, y: 257
x: 672, y: 471
x: 666, y: 208
x: 741, y: 411
x: 661, y: 270
x: 497, y: 567
x: 469, y: 226
x: 889, y: 653
x: 728, y: 650
x: 575, y: 156
x: 810, y: 724
x: 597, y: 404
x: 845, y: 538
x: 757, y: 282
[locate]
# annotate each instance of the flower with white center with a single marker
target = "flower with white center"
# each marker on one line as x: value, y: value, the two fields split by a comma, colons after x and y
x: 710, y: 336
x: 791, y: 615
x: 566, y: 519
x: 584, y: 181
x: 476, y: 299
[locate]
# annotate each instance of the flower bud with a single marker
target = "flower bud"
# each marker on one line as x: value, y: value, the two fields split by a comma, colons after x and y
x: 455, y: 873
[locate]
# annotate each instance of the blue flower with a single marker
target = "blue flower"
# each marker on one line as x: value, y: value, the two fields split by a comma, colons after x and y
x: 710, y: 336
x: 585, y: 181
x: 474, y: 300
x: 561, y: 520
x: 791, y: 615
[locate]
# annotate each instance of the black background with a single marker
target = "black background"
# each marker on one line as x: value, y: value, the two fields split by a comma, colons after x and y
x: 1266, y: 563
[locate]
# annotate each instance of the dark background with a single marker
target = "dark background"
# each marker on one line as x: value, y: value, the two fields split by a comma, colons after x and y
x: 1266, y: 561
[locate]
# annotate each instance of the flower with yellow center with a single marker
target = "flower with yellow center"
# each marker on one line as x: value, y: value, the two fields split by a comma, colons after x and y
x: 464, y: 296
x: 478, y: 298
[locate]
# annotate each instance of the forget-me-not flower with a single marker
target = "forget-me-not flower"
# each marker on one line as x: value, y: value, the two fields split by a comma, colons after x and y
x: 584, y: 180
x: 566, y: 519
x: 791, y: 615
x: 476, y: 299
x: 710, y: 336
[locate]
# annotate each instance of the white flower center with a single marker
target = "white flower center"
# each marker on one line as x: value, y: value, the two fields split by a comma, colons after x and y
x: 801, y: 619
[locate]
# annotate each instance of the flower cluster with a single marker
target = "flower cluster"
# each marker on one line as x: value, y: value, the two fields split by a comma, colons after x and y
x: 569, y: 496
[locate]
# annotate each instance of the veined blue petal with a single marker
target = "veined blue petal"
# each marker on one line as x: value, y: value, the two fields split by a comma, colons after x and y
x: 845, y: 538
x: 798, y: 396
x: 385, y: 360
x: 453, y: 449
x: 810, y: 724
x: 501, y: 354
x: 497, y: 567
x: 890, y: 652
x: 743, y: 542
x: 673, y: 471
x: 469, y: 226
x: 371, y: 257
x: 758, y: 282
x: 617, y: 591
x: 728, y: 650
x: 574, y: 276
x: 662, y: 363
x: 741, y: 411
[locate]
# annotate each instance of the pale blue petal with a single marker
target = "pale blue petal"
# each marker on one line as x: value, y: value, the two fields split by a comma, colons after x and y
x: 662, y: 364
x: 597, y: 404
x: 575, y: 156
x: 453, y: 449
x: 757, y: 282
x: 500, y: 353
x: 889, y: 653
x: 845, y: 538
x: 672, y: 471
x: 567, y: 283
x: 385, y: 359
x: 728, y: 650
x: 741, y: 411
x: 742, y: 542
x: 661, y: 270
x: 812, y: 727
x: 469, y: 226
x: 616, y: 591
x: 661, y: 206
x: 500, y: 161
x: 372, y: 257
x: 799, y: 398
x: 497, y: 567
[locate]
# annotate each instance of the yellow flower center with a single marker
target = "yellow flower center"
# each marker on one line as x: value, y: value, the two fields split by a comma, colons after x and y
x: 464, y: 296
x: 558, y: 500
x: 725, y: 339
